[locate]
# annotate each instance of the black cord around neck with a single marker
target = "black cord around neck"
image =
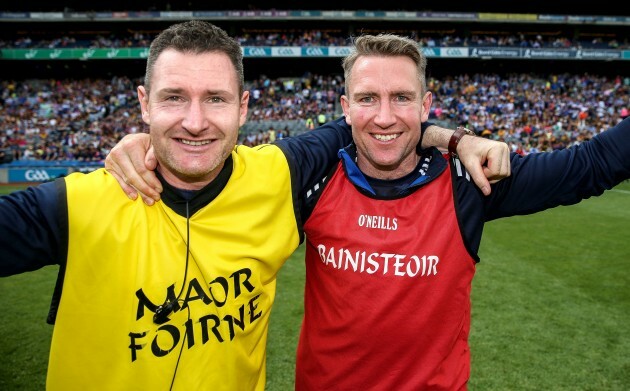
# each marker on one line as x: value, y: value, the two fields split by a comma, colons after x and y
x: 181, y: 349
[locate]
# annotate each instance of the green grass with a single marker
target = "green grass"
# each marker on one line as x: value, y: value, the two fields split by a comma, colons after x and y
x: 6, y: 188
x: 24, y: 333
x: 551, y: 306
x: 551, y: 299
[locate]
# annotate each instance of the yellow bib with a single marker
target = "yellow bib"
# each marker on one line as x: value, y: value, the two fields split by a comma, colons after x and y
x: 125, y: 259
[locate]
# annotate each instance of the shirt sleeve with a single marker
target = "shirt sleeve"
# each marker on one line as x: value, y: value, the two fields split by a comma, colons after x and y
x: 545, y: 180
x: 312, y: 154
x: 33, y: 228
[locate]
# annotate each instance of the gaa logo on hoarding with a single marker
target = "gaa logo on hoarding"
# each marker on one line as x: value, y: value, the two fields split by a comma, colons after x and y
x: 314, y: 52
x: 340, y: 51
x: 36, y: 175
x: 256, y: 52
x: 431, y: 52
x: 286, y: 51
x: 455, y: 52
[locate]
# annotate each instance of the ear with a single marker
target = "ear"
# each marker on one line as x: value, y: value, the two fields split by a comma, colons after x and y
x: 243, y: 108
x: 427, y: 100
x: 345, y: 105
x: 143, y: 97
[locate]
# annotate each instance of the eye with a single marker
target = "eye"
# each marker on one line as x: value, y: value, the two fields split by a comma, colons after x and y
x: 402, y: 98
x: 366, y: 99
x: 173, y: 98
x: 216, y: 99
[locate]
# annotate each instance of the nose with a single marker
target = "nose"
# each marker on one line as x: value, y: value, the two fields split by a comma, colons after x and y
x: 385, y: 116
x: 195, y: 119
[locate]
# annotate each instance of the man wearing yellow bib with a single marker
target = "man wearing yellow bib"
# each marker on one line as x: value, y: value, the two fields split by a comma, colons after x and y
x: 177, y: 295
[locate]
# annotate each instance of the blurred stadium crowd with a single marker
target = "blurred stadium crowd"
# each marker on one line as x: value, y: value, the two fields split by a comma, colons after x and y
x: 82, y: 119
x: 330, y: 38
x: 547, y: 108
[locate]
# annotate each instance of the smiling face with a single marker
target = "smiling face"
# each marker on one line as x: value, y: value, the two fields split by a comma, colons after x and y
x: 385, y: 105
x: 194, y: 111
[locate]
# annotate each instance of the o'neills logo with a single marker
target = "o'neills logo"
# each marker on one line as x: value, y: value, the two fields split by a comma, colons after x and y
x: 378, y: 222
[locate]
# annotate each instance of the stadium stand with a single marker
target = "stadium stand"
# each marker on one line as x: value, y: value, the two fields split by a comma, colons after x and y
x: 539, y: 80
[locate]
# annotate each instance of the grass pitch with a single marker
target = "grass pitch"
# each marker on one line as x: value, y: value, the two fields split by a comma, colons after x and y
x: 551, y: 306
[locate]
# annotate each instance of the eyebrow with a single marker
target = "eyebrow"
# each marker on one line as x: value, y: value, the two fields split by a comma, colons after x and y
x: 404, y: 92
x: 171, y: 90
x: 393, y: 93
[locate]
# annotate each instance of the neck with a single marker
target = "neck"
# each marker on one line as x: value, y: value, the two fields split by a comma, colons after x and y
x: 184, y: 182
x: 387, y: 172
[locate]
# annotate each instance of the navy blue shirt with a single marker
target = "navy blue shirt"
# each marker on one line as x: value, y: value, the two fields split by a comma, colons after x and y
x: 538, y: 181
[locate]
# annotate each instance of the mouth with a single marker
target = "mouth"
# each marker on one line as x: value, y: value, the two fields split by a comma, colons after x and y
x: 386, y: 137
x: 194, y: 143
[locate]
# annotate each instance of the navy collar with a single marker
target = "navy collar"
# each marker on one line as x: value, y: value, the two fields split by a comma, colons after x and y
x: 176, y: 199
x: 430, y: 166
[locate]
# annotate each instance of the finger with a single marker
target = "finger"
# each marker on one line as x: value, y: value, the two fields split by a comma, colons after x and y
x: 150, y: 163
x: 478, y: 175
x: 501, y: 165
x: 151, y: 188
x: 507, y: 164
x: 141, y: 181
x: 150, y: 160
x: 113, y: 169
x: 502, y: 162
x: 129, y: 157
x: 147, y: 200
x: 129, y: 190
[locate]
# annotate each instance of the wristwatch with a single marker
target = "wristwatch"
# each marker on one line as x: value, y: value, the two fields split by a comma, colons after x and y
x: 456, y: 138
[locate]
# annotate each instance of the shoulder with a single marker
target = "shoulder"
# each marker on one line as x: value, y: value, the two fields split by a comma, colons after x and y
x: 263, y: 161
x: 261, y: 156
x: 97, y: 187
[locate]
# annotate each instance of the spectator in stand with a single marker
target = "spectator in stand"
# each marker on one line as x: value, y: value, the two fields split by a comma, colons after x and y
x: 271, y: 135
x: 310, y: 124
x: 321, y: 119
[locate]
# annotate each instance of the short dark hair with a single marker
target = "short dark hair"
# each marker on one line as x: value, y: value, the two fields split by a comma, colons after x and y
x: 196, y: 36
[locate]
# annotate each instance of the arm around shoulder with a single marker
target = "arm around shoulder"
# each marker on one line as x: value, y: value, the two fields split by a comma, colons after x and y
x: 132, y: 162
x: 487, y: 161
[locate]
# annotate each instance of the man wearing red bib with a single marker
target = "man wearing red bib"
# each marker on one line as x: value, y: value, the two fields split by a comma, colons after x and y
x: 393, y: 235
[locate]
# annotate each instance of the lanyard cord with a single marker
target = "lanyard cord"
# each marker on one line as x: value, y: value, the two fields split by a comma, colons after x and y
x: 182, y: 291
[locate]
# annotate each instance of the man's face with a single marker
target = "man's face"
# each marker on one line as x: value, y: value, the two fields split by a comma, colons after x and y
x: 385, y: 107
x: 194, y: 111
